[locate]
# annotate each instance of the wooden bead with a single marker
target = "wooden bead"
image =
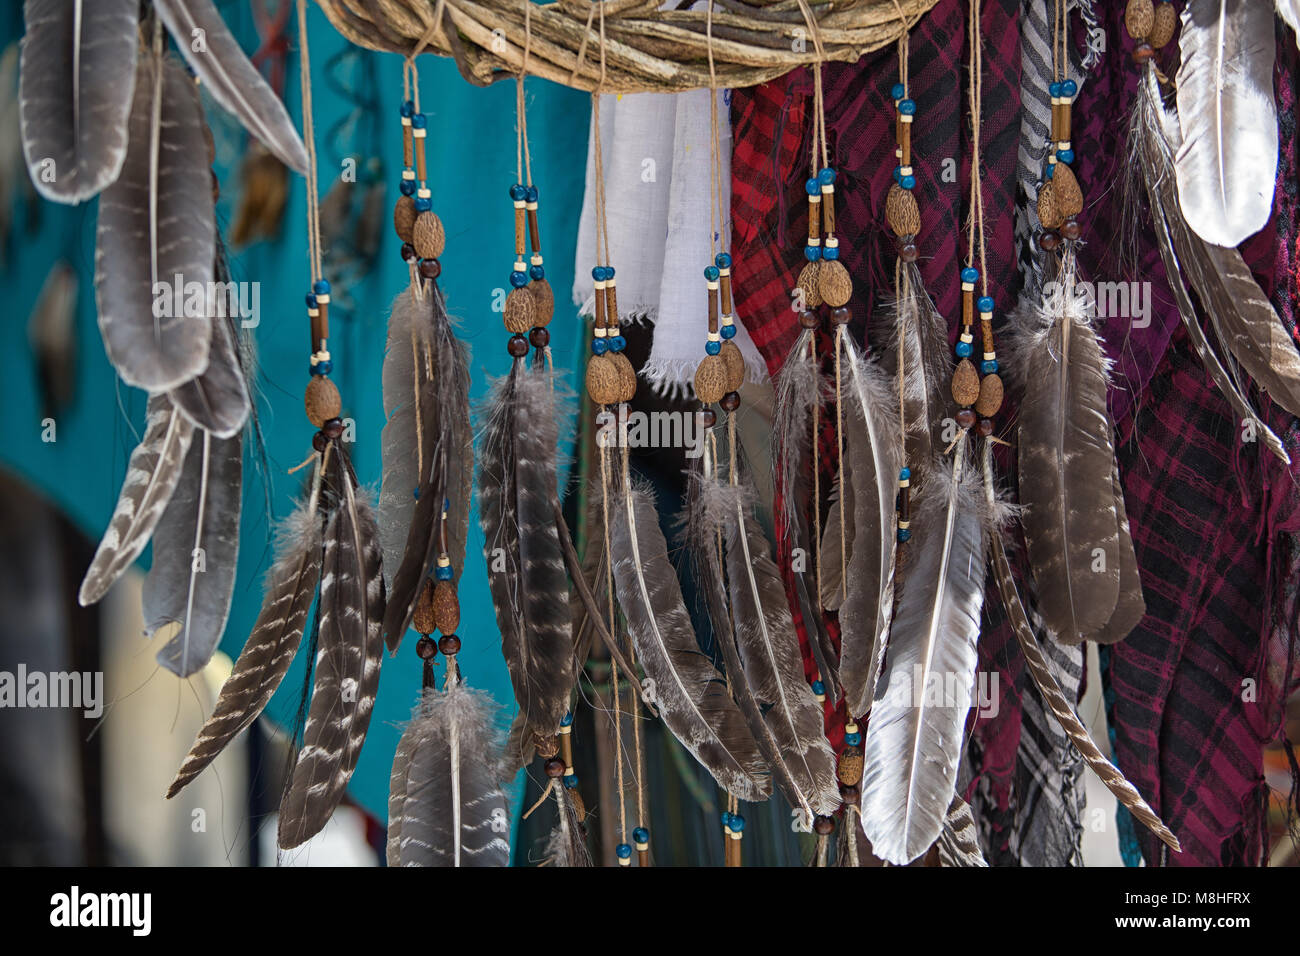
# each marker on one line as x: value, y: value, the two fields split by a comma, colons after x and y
x: 965, y: 383
x: 554, y: 768
x: 808, y: 284
x: 539, y: 338
x: 908, y: 252
x: 841, y: 316
x: 427, y: 648
x: 985, y: 427
x: 449, y: 644
x: 404, y: 218
x: 446, y: 607
x: 901, y: 212
x: 1066, y: 192
x: 322, y: 401
x: 520, y: 311
x: 735, y: 363
x: 1163, y: 26
x: 850, y: 767
x: 834, y: 283
x: 1139, y: 18
x: 990, y: 397
x: 730, y: 402
x: 424, y: 620
x: 965, y: 419
x: 1048, y: 240
x: 603, y: 380
x: 824, y: 826
x: 808, y: 319
x: 850, y: 794
x: 517, y: 346
x: 430, y: 268
x: 708, y: 418
x: 1071, y: 229
x: 1143, y: 52
x: 544, y: 299
x: 711, y: 379
x: 1049, y: 212
x: 626, y: 376
x: 427, y: 235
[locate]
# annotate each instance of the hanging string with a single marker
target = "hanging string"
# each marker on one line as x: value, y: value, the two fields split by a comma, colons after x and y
x: 523, y: 158
x: 975, y: 245
x: 309, y: 139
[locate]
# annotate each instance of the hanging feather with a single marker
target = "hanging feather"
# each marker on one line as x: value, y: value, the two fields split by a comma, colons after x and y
x: 690, y: 693
x: 263, y: 194
x: 1241, y: 315
x: 912, y: 745
x: 1130, y: 606
x: 851, y: 846
x: 195, y: 554
x: 958, y: 845
x: 837, y: 541
x: 156, y: 228
x: 75, y: 82
x: 427, y: 449
x: 52, y: 332
x: 872, y: 446
x: 446, y: 804
x: 151, y: 477
x: 1226, y: 163
x: 526, y: 574
x: 567, y: 845
x: 1066, y: 461
x: 1289, y: 11
x: 348, y: 658
x: 270, y: 648
x: 212, y: 53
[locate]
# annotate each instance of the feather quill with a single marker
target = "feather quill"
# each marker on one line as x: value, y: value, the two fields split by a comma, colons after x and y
x: 913, y: 745
x: 446, y: 803
x: 76, y: 77
x: 156, y: 224
x: 231, y: 78
x: 1226, y: 164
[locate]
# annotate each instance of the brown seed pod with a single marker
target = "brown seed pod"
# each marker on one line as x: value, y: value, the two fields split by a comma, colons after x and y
x: 626, y: 376
x: 603, y: 380
x: 901, y: 212
x: 1164, y: 25
x: 1049, y: 211
x: 446, y: 607
x: 424, y: 620
x: 850, y: 767
x: 808, y: 285
x: 711, y: 379
x: 1139, y: 18
x: 1066, y: 191
x: 544, y: 298
x: 965, y: 383
x: 520, y: 311
x: 990, y: 398
x: 427, y: 235
x: 834, y: 283
x: 322, y: 400
x: 735, y: 363
x: 404, y: 218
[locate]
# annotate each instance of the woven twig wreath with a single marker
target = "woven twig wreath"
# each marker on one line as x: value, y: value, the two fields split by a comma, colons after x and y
x: 646, y: 49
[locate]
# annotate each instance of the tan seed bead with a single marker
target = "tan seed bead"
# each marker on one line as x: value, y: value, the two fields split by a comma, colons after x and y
x: 404, y: 218
x: 1139, y: 18
x: 808, y: 285
x: 850, y: 768
x: 322, y: 400
x: 544, y: 298
x: 604, y: 381
x: 424, y: 620
x: 626, y: 376
x: 711, y: 379
x: 965, y: 383
x: 901, y: 211
x: 735, y: 363
x: 1049, y: 212
x: 1163, y: 26
x: 1066, y: 191
x: 427, y: 235
x: 990, y: 397
x: 834, y: 283
x: 520, y: 312
x: 446, y: 607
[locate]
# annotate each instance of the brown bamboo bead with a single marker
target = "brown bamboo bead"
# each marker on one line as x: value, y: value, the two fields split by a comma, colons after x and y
x: 322, y: 401
x: 521, y: 218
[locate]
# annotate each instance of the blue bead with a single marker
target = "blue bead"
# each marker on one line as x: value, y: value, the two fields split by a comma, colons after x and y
x: 826, y: 176
x: 518, y: 193
x: 310, y: 300
x: 446, y: 504
x: 722, y: 260
x: 567, y: 720
x: 726, y: 818
x: 598, y: 273
x: 727, y: 331
x: 831, y: 252
x: 905, y: 474
x: 609, y: 272
x: 898, y: 173
x: 311, y: 370
x: 624, y: 851
x: 711, y: 273
x: 970, y: 274
x: 963, y: 349
x: 407, y: 187
x: 812, y: 253
x: 1051, y: 168
x: 908, y: 182
x: 907, y: 107
x: 737, y: 823
x: 443, y: 574
x: 321, y: 287
x: 985, y: 303
x: 571, y: 781
x: 415, y: 492
x: 641, y: 835
x: 536, y: 272
x: 904, y: 534
x: 532, y: 194
x: 1054, y: 88
x: 1065, y: 155
x: 898, y: 91
x: 324, y: 368
x: 818, y: 687
x: 419, y: 121
x: 519, y: 279
x: 812, y: 187
x: 1069, y: 88
x: 989, y: 366
x: 599, y: 346
x: 617, y: 343
x: 713, y: 348
x: 408, y: 109
x: 853, y: 739
x: 423, y: 204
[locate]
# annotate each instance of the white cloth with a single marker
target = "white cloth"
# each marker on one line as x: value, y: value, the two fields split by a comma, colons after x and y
x: 658, y: 195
